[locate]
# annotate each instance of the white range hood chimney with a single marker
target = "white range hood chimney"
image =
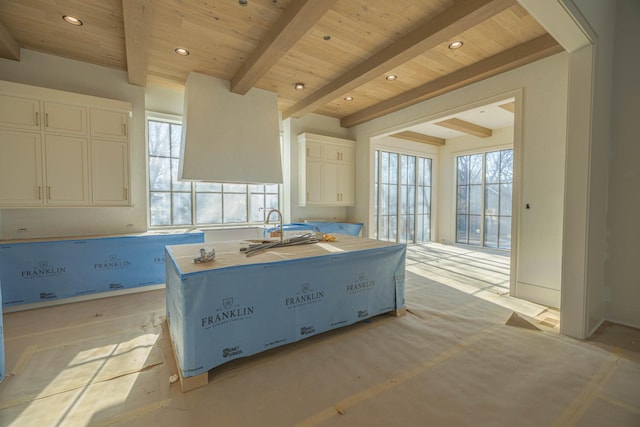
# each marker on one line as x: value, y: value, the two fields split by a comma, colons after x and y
x: 228, y: 137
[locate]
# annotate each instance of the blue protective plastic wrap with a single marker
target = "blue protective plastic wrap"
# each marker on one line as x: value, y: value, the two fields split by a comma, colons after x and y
x: 55, y: 269
x: 349, y: 228
x: 1, y: 338
x: 221, y: 314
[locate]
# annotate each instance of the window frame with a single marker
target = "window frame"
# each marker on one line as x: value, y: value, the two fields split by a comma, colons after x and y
x: 482, y: 152
x: 377, y: 191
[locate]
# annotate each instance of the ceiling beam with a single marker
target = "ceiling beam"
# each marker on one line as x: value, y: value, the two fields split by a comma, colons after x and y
x: 9, y: 48
x: 295, y: 22
x: 517, y: 56
x: 509, y: 106
x: 466, y: 127
x: 137, y: 16
x: 419, y: 137
x: 453, y: 21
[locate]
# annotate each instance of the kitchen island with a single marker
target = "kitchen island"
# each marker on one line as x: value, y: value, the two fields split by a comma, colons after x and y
x: 237, y: 306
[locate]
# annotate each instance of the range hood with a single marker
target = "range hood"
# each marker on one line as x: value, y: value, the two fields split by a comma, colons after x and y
x: 228, y: 137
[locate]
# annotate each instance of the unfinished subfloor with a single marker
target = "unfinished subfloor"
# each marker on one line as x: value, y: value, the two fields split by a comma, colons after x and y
x: 481, y: 272
x: 457, y: 358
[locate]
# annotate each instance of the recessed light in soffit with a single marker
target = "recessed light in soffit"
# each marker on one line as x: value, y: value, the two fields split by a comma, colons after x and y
x: 72, y: 20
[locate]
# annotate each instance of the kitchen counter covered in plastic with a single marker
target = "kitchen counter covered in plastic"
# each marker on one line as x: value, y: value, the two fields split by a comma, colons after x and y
x: 43, y: 271
x: 237, y: 306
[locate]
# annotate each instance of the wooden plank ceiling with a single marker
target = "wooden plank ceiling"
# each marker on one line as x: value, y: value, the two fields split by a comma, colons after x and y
x: 341, y: 50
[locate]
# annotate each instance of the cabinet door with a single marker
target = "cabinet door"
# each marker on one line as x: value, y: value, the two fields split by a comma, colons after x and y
x: 65, y: 118
x: 109, y: 124
x: 20, y: 169
x: 314, y: 182
x: 67, y: 177
x: 109, y: 172
x: 338, y: 153
x: 347, y: 185
x: 332, y: 152
x: 19, y: 113
x: 314, y: 150
x: 347, y: 154
x: 330, y: 178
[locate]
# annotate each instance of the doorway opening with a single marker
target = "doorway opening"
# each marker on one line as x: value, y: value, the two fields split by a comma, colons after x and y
x: 469, y: 199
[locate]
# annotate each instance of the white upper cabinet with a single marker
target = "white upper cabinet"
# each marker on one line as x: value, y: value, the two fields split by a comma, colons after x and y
x: 110, y: 172
x: 67, y: 171
x: 339, y: 153
x: 326, y: 171
x: 65, y: 118
x: 19, y: 112
x: 108, y: 124
x: 20, y: 168
x: 62, y: 149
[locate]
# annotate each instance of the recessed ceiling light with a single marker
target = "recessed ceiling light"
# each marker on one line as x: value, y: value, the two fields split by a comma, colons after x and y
x: 327, y: 37
x: 182, y: 51
x: 391, y: 77
x: 243, y: 2
x: 348, y: 98
x: 456, y: 45
x: 72, y: 20
x: 298, y: 86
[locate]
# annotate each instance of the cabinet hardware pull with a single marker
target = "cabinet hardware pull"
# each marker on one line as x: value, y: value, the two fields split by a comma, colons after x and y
x: 126, y: 193
x: 39, y: 192
x: 124, y: 129
x: 48, y: 192
x: 338, y: 155
x: 307, y: 196
x: 46, y: 120
x: 37, y: 119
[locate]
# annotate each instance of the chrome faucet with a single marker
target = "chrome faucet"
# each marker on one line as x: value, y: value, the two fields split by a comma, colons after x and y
x: 281, y: 227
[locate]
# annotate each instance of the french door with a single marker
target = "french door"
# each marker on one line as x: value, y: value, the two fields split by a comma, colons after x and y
x: 483, y: 201
x: 402, y: 206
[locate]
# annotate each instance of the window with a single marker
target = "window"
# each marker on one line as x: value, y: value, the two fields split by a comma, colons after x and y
x: 173, y: 202
x: 483, y: 202
x: 402, y: 206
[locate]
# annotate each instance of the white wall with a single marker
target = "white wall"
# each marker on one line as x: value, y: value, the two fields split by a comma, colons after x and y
x: 622, y: 272
x: 446, y: 202
x: 542, y: 131
x: 601, y: 16
x: 164, y: 100
x: 322, y: 125
x: 58, y: 73
x: 588, y: 141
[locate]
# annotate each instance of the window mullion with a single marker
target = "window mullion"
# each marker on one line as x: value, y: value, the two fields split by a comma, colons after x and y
x: 247, y: 196
x: 482, y: 197
x: 193, y: 203
x: 398, y: 195
x: 415, y: 199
